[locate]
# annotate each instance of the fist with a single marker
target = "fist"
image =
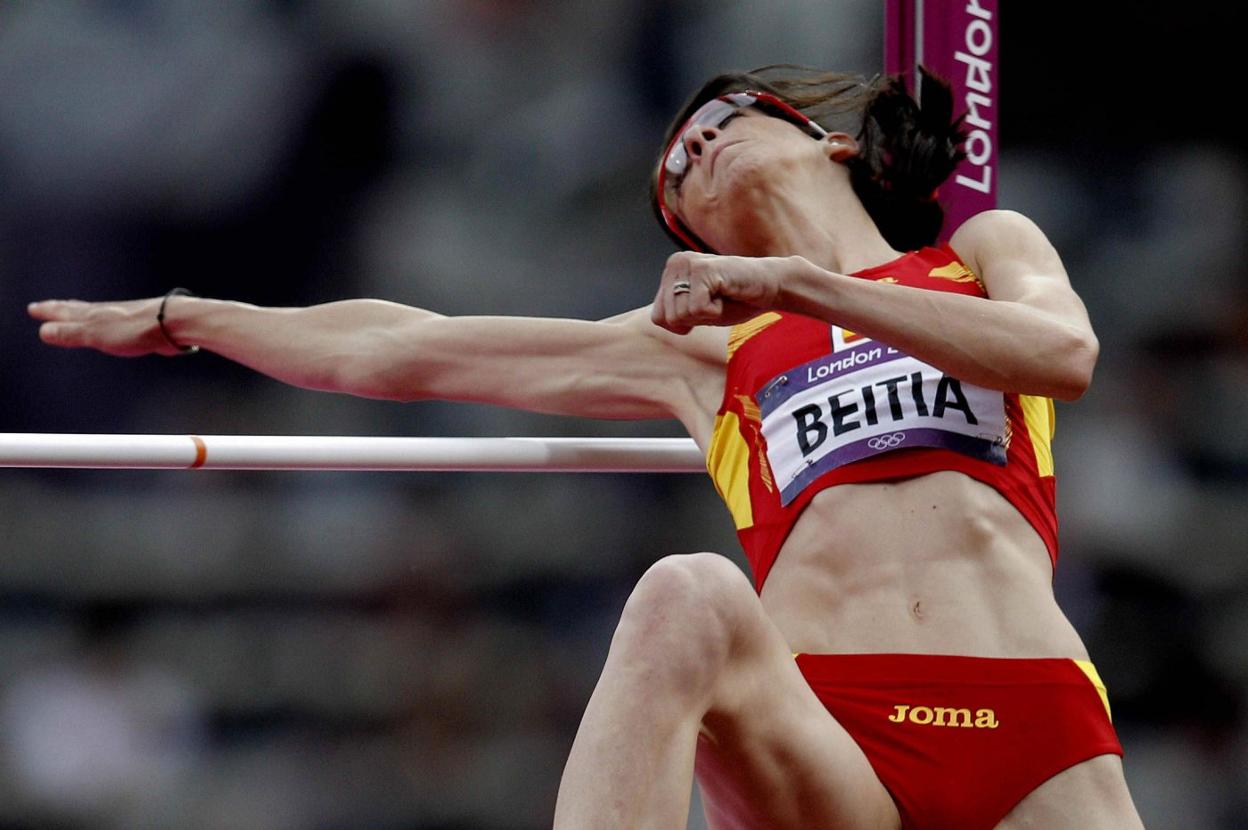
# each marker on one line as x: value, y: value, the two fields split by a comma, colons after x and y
x: 713, y: 290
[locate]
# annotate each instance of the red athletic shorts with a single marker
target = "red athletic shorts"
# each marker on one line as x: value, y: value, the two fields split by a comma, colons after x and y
x: 959, y: 741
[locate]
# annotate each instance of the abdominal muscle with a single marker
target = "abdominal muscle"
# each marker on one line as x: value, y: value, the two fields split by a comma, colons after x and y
x: 936, y: 564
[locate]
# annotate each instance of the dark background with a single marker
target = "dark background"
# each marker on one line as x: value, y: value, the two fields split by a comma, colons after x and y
x: 306, y: 650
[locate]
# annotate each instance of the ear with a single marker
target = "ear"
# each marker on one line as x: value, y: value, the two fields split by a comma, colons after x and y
x: 840, y: 146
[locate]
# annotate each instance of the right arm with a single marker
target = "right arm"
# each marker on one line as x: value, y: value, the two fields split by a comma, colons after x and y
x: 622, y: 368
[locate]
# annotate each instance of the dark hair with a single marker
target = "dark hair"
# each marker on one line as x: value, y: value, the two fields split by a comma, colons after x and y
x: 907, y: 148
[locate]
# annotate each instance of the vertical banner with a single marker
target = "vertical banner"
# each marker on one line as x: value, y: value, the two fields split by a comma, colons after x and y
x: 958, y: 40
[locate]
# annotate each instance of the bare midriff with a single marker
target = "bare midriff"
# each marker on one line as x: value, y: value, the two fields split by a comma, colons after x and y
x: 936, y: 564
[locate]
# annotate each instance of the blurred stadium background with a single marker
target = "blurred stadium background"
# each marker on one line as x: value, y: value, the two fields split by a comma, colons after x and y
x: 316, y: 650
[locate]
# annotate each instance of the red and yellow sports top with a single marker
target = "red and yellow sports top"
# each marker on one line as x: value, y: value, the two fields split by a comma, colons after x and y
x: 808, y: 405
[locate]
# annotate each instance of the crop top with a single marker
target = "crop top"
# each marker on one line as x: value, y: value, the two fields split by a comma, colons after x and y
x: 808, y: 405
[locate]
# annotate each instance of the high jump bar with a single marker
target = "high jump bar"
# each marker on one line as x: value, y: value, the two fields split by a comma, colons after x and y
x: 307, y: 452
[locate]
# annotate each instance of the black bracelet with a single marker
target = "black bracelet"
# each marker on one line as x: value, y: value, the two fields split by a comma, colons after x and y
x: 160, y: 319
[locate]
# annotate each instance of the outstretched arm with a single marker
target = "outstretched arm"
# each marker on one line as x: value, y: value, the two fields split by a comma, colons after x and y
x: 624, y: 368
x: 1031, y: 336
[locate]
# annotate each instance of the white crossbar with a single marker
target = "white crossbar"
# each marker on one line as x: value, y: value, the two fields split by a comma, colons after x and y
x: 289, y: 452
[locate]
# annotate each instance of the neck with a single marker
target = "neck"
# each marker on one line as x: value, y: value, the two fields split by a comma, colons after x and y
x: 836, y: 234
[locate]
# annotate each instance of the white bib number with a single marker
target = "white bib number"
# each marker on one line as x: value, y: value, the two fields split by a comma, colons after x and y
x: 866, y: 398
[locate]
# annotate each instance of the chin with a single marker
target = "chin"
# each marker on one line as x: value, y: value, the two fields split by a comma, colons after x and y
x: 731, y: 217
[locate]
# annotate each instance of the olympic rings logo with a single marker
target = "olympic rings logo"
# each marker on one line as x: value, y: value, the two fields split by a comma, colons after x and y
x: 886, y: 442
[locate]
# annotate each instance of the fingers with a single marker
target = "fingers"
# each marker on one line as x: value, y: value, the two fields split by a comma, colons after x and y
x: 66, y: 335
x: 63, y: 321
x: 124, y: 329
x: 717, y: 290
x: 58, y: 309
x: 57, y: 331
x: 671, y: 307
x: 700, y: 306
x: 688, y: 294
x: 678, y: 308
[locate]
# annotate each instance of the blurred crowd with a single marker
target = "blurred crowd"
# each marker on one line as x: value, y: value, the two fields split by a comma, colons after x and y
x: 324, y: 650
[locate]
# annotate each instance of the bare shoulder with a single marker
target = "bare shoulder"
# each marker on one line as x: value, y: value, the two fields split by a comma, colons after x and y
x: 993, y: 236
x: 996, y: 221
x: 1010, y: 254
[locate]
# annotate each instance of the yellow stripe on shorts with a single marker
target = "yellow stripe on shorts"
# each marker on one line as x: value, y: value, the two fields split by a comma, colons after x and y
x: 1090, y: 671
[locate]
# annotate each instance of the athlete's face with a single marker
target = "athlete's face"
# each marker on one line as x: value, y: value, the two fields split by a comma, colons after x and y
x: 728, y: 148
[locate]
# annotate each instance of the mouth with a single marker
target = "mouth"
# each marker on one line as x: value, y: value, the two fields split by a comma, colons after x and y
x: 715, y: 154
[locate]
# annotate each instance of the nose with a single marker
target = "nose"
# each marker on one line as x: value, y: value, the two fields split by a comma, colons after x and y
x: 697, y: 140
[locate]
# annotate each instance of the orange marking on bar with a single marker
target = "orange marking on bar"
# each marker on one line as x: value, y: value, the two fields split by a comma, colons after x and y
x: 201, y: 452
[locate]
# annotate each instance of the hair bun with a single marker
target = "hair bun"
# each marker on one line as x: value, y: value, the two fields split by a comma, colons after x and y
x: 908, y: 149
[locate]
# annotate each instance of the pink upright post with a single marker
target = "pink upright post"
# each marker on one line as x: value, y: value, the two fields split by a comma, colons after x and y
x: 958, y: 40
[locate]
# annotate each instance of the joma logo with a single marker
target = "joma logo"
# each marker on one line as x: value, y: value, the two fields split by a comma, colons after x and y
x: 944, y: 716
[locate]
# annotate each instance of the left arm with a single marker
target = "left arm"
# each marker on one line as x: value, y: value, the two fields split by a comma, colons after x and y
x: 1031, y: 336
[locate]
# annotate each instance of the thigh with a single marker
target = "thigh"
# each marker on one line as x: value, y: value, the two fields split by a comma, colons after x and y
x: 1088, y: 796
x: 770, y: 755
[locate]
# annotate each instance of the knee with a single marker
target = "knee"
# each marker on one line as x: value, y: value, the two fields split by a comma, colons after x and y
x: 691, y: 588
x: 688, y: 608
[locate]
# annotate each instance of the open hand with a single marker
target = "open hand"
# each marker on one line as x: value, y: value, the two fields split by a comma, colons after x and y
x: 123, y: 329
x: 714, y: 290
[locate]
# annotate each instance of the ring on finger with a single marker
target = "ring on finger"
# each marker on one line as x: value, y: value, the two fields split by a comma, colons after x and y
x: 681, y: 287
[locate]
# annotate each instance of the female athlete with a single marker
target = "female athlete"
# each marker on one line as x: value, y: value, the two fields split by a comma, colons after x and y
x: 876, y: 413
